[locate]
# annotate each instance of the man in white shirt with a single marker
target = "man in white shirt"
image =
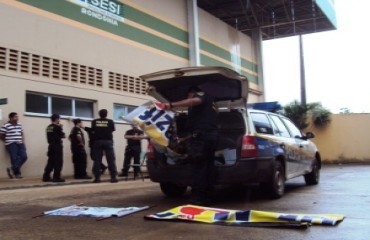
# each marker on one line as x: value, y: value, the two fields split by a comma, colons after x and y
x: 12, y: 134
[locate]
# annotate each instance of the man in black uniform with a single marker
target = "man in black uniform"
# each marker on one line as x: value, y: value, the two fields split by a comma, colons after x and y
x: 78, y: 150
x: 202, y: 124
x: 103, y: 129
x: 89, y: 131
x: 133, y: 150
x: 54, y: 134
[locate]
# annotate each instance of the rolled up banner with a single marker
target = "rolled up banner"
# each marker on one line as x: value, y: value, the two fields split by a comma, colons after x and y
x: 153, y: 120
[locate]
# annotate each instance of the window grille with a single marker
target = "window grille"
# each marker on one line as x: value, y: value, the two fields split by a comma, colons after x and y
x: 56, y: 69
x: 127, y: 83
x: 35, y: 64
x: 2, y: 58
x: 13, y: 60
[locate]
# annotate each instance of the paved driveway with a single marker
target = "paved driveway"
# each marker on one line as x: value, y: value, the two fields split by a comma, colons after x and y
x: 344, y: 189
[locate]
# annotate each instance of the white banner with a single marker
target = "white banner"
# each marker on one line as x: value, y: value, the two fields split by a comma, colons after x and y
x: 100, y: 212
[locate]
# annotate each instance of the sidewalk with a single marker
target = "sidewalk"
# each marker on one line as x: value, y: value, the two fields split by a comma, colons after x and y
x: 12, y: 184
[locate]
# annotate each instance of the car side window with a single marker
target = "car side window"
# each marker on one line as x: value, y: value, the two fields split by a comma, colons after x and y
x: 282, y: 130
x: 261, y: 123
x: 292, y: 128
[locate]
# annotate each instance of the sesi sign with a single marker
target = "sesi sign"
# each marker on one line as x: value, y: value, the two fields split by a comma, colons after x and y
x: 110, y: 6
x: 110, y: 11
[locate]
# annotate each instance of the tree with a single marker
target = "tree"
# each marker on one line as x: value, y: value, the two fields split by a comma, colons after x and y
x: 345, y: 110
x: 299, y: 113
x: 320, y: 116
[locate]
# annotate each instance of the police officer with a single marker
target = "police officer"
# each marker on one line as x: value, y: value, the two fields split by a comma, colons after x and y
x: 90, y: 134
x: 54, y: 134
x: 133, y: 150
x: 202, y: 123
x: 79, y: 156
x: 103, y: 129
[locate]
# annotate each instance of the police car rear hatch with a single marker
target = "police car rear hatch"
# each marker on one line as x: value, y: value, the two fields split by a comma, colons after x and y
x: 229, y: 88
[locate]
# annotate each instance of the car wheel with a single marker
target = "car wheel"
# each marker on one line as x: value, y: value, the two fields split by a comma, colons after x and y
x: 276, y: 186
x: 172, y: 189
x: 313, y: 177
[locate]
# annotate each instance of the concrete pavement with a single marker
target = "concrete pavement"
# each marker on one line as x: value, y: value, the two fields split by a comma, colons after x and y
x: 343, y: 189
x: 34, y: 182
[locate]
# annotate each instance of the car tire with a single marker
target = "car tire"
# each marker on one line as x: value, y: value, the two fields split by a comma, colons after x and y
x: 173, y: 190
x: 275, y: 188
x: 313, y: 178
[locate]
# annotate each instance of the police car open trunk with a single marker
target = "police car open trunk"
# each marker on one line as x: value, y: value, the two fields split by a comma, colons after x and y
x: 229, y: 91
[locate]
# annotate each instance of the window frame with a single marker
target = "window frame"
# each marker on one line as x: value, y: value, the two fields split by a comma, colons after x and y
x: 269, y: 131
x: 49, y: 106
x: 289, y: 125
x: 126, y: 106
x: 279, y: 133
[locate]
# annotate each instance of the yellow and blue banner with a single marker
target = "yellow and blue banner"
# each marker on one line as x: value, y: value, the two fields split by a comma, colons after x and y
x: 247, y: 217
x: 153, y: 120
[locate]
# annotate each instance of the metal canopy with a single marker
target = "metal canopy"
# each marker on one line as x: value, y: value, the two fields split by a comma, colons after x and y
x: 275, y: 18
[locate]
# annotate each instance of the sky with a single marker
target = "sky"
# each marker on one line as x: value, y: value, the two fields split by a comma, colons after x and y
x: 336, y: 63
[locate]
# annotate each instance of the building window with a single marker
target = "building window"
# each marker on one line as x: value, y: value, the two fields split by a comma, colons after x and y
x: 84, y: 108
x: 44, y: 104
x: 37, y: 103
x: 62, y: 106
x: 120, y: 110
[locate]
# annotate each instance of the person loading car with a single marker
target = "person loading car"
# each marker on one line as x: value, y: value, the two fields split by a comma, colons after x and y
x: 202, y: 124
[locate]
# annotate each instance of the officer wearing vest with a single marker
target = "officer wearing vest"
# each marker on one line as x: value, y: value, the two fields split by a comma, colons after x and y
x: 54, y: 134
x: 79, y: 156
x: 103, y: 129
x: 133, y: 150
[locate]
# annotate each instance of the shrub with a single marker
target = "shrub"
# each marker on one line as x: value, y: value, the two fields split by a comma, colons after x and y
x: 298, y: 113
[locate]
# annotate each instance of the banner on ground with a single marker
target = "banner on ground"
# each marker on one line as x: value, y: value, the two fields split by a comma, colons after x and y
x: 100, y: 212
x: 153, y: 120
x: 248, y: 217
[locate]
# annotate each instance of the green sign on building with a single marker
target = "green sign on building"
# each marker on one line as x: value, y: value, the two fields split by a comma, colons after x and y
x: 109, y: 11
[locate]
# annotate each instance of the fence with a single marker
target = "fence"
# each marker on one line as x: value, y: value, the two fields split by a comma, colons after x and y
x: 345, y: 139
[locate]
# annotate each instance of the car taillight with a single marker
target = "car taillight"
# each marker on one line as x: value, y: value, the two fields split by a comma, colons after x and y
x: 150, y: 151
x: 249, y: 147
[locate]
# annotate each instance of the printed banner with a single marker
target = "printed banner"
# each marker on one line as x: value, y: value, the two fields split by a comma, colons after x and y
x: 238, y: 217
x: 100, y: 212
x: 153, y: 120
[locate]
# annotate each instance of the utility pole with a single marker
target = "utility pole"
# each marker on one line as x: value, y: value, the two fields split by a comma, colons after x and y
x: 303, y: 77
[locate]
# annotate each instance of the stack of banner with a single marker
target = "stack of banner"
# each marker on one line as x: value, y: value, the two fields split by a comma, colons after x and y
x: 153, y: 120
x: 99, y: 212
x: 245, y: 218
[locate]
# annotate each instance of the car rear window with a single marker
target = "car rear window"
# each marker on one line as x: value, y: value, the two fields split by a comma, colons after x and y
x: 261, y: 123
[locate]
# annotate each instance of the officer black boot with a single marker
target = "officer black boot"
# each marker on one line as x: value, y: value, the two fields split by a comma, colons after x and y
x: 97, y: 179
x: 113, y: 178
x: 46, y: 178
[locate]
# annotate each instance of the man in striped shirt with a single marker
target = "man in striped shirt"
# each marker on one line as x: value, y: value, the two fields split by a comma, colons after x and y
x: 12, y: 134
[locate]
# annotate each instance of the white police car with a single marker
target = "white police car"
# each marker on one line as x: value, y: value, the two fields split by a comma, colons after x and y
x: 254, y: 147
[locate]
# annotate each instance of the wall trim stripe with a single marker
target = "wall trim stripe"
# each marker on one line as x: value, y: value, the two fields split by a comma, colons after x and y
x: 161, y: 37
